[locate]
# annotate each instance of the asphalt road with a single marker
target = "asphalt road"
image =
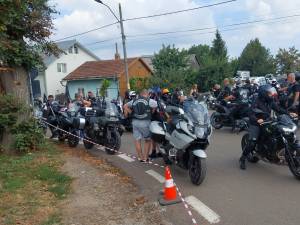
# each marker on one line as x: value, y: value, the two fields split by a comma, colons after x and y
x: 264, y: 194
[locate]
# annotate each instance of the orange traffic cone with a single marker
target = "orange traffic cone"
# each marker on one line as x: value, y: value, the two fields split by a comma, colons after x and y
x: 169, y: 195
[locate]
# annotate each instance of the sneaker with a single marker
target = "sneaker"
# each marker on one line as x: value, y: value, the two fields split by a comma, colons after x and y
x: 153, y: 154
x: 143, y: 161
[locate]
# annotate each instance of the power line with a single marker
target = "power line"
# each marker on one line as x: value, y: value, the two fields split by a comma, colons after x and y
x: 202, y: 33
x: 180, y: 11
x: 209, y: 28
x: 251, y: 23
x: 144, y: 17
x: 85, y: 32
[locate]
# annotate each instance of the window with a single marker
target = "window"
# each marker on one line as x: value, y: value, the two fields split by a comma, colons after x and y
x: 61, y: 67
x: 76, y: 49
x: 71, y: 50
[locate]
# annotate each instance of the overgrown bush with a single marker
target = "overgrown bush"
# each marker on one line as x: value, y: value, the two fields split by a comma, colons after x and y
x: 28, y: 136
x: 24, y: 130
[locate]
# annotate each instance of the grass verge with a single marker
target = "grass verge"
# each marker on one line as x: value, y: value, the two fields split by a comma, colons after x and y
x: 31, y: 186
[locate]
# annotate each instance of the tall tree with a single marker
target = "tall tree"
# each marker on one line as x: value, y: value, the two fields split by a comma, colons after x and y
x: 170, y: 68
x: 257, y: 59
x: 201, y: 52
x: 288, y: 60
x: 25, y: 26
x: 219, y: 49
x: 169, y: 58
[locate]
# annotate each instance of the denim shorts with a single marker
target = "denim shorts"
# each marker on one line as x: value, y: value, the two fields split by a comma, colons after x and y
x: 141, y: 129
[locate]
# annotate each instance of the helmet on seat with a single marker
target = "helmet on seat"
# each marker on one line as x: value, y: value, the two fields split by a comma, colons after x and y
x: 165, y: 91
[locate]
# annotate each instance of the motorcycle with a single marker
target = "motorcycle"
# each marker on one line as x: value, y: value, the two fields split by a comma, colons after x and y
x: 185, y: 140
x: 277, y: 144
x: 73, y: 122
x: 38, y: 111
x: 222, y: 117
x: 103, y: 127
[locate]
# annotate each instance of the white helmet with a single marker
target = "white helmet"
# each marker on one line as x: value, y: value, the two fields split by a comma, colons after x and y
x: 132, y: 94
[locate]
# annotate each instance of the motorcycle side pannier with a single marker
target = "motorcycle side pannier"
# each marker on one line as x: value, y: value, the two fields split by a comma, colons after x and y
x: 157, y: 131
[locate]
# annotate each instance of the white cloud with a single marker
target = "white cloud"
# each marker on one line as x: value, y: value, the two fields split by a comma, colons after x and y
x: 78, y: 16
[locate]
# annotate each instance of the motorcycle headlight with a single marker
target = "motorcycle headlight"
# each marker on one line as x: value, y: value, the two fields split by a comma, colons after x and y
x: 287, y: 130
x: 199, y: 132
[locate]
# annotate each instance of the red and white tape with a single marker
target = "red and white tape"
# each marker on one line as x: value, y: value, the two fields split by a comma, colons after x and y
x: 100, y: 147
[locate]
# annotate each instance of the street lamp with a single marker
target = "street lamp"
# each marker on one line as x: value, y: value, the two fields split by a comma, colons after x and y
x: 123, y: 38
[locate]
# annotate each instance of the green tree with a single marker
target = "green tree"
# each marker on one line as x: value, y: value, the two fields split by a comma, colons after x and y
x: 25, y: 26
x: 105, y: 85
x: 219, y: 49
x: 170, y: 68
x: 169, y: 58
x: 201, y: 52
x: 257, y: 59
x: 288, y: 60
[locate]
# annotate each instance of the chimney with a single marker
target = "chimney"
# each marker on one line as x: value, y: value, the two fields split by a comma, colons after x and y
x: 117, y: 55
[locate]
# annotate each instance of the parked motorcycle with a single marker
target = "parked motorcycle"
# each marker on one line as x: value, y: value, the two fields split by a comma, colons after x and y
x: 72, y: 121
x: 103, y: 127
x: 222, y: 117
x: 277, y: 144
x: 38, y: 109
x: 185, y: 140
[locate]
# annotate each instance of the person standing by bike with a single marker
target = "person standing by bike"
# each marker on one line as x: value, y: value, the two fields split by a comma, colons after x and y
x: 293, y: 92
x: 264, y: 103
x: 141, y: 109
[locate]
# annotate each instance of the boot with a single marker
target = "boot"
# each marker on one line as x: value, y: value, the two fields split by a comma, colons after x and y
x: 243, y: 163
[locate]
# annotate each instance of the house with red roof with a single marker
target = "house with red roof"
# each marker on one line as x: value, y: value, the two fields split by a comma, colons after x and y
x: 89, y: 76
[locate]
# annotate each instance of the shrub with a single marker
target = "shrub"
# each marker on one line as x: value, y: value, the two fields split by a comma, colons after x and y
x: 28, y: 136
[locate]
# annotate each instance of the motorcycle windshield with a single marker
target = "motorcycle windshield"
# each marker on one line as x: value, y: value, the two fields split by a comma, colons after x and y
x: 197, y: 112
x: 111, y: 109
x: 285, y: 120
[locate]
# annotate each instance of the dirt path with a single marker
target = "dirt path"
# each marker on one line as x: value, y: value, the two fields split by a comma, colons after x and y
x: 102, y: 194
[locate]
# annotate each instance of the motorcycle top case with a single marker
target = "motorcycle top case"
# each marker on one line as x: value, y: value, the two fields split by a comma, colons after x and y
x: 157, y: 131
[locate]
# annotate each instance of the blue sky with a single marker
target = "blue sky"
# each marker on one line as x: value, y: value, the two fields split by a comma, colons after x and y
x: 78, y: 16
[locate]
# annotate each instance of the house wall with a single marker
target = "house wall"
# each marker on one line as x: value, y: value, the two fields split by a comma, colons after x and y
x: 53, y: 78
x: 137, y: 69
x: 93, y: 85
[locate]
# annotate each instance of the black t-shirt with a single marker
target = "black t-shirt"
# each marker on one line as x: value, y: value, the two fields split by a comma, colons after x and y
x: 292, y: 89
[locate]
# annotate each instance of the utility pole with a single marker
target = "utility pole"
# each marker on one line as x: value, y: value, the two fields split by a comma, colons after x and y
x: 124, y: 47
x: 123, y: 38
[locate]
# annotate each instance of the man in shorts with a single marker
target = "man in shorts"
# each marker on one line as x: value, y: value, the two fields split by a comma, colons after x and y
x: 141, y: 109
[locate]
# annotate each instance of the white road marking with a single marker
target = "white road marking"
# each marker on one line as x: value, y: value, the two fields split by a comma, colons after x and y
x: 156, y: 175
x: 125, y: 157
x: 202, y: 209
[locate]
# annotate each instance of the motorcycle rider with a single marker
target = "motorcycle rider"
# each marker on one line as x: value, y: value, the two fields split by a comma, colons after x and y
x: 166, y: 96
x: 226, y: 93
x: 265, y: 103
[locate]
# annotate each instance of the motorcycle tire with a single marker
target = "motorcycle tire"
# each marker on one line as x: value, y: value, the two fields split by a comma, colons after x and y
x: 116, y: 146
x: 197, y: 169
x: 214, y: 121
x: 87, y: 144
x: 250, y: 157
x: 166, y: 159
x: 293, y: 166
x: 72, y: 140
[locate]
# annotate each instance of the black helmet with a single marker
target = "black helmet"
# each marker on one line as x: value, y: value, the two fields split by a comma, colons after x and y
x: 266, y: 92
x: 55, y: 106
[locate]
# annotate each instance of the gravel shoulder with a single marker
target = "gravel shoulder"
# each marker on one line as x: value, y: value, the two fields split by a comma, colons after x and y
x: 103, y: 194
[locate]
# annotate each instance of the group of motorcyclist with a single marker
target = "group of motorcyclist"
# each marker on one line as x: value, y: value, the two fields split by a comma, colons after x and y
x: 259, y: 102
x: 248, y: 96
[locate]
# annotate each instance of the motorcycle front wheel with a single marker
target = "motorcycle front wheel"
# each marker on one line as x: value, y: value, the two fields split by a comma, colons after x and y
x: 293, y: 160
x: 216, y: 121
x: 251, y: 158
x: 197, y: 169
x: 73, y: 140
x: 114, y: 144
